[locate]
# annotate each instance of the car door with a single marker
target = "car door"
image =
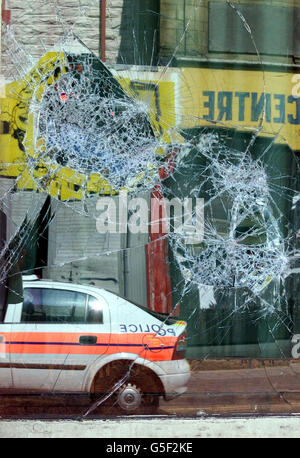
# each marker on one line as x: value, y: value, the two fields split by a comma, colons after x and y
x: 52, y: 336
x: 93, y: 338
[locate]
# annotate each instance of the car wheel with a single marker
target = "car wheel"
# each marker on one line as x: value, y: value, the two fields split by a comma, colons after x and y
x: 137, y: 392
x: 134, y: 399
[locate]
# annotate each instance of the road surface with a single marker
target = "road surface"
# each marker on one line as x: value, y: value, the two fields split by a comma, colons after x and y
x: 212, y: 390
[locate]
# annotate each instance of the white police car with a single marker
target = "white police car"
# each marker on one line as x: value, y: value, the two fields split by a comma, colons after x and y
x: 81, y: 339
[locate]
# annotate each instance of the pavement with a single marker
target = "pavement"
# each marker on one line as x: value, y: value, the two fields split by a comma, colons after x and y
x: 264, y: 390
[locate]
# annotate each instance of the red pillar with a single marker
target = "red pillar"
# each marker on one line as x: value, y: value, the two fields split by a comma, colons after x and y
x: 158, y: 271
x: 103, y: 30
x: 5, y: 14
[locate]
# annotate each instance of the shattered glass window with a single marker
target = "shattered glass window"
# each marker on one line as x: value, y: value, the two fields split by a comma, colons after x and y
x: 149, y: 208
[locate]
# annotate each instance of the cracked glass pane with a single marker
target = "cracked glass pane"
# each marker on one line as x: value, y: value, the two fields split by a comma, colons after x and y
x: 149, y: 206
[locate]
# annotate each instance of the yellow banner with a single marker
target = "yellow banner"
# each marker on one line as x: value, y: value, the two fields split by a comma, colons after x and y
x: 263, y: 102
x: 268, y: 102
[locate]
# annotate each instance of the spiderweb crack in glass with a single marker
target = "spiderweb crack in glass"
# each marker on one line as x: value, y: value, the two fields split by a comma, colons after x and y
x: 92, y: 129
x: 226, y: 258
x: 226, y: 263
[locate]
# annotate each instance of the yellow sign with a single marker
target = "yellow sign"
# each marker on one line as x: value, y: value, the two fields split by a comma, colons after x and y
x: 263, y: 102
x: 17, y: 130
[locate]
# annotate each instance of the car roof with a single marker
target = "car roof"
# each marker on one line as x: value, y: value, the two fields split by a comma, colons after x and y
x: 35, y: 283
x: 108, y: 295
x: 57, y: 284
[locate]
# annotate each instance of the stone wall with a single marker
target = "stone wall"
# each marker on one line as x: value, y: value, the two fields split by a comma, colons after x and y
x: 114, y: 11
x: 37, y: 26
x: 42, y: 23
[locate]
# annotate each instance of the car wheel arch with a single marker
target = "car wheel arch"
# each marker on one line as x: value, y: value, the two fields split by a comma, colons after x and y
x: 131, y: 361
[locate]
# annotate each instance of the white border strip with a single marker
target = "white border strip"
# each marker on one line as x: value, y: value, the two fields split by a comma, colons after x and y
x: 262, y: 427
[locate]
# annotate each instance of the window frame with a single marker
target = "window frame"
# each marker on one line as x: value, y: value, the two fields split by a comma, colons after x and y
x: 87, y: 294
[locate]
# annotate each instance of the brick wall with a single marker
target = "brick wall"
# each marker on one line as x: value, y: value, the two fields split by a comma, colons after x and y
x: 114, y: 11
x: 40, y: 22
x: 39, y: 25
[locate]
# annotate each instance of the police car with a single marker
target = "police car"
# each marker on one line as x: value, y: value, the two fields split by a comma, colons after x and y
x: 81, y: 339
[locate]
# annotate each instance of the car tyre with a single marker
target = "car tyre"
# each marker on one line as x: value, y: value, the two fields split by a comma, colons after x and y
x: 137, y: 392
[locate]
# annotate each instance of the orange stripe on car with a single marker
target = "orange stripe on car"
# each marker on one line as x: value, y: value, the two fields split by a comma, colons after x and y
x: 148, y: 346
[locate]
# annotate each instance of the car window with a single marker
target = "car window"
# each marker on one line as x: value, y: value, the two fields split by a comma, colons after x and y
x: 45, y: 305
x: 163, y: 317
x: 94, y: 311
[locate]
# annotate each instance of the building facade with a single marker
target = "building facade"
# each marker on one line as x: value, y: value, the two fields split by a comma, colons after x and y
x: 230, y: 69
